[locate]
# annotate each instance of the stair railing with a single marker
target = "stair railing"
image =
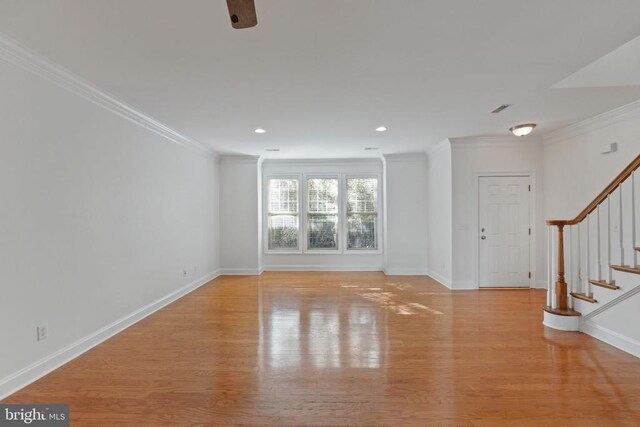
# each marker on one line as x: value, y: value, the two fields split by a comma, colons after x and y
x: 562, y: 284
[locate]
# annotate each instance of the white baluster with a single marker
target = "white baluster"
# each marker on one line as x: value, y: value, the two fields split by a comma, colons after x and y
x: 620, y: 228
x: 549, y: 269
x: 609, y: 238
x: 588, y: 273
x: 571, y: 275
x: 580, y: 284
x: 634, y: 258
x: 599, y: 252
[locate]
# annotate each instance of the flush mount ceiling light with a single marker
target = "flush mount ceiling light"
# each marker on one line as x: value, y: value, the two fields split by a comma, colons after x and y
x: 260, y: 130
x: 381, y: 129
x: 523, y: 130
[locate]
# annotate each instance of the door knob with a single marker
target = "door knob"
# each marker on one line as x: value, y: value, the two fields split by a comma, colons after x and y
x: 483, y: 237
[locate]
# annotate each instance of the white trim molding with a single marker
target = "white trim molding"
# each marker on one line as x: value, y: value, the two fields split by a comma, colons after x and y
x: 322, y: 267
x: 241, y: 271
x: 440, y: 278
x: 239, y: 158
x: 302, y: 163
x: 42, y: 367
x: 561, y: 323
x: 406, y: 271
x: 464, y: 286
x: 611, y: 337
x: 593, y: 123
x: 405, y: 157
x: 494, y: 142
x: 437, y: 147
x: 540, y: 284
x: 14, y: 53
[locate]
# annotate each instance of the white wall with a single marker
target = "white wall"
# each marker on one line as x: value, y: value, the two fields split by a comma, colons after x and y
x: 575, y: 171
x: 239, y: 220
x: 406, y: 201
x: 99, y: 217
x: 439, y: 213
x: 471, y: 156
x: 343, y: 261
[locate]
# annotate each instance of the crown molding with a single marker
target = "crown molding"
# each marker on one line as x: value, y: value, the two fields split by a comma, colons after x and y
x: 13, y: 52
x: 238, y: 158
x: 405, y: 157
x: 494, y: 142
x: 438, y: 147
x: 311, y: 162
x: 591, y: 124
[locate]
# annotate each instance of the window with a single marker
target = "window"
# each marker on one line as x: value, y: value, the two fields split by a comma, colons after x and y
x: 322, y: 213
x: 283, y: 214
x: 362, y: 215
x: 322, y: 210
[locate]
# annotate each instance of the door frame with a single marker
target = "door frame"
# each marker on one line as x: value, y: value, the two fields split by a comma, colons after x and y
x: 476, y: 218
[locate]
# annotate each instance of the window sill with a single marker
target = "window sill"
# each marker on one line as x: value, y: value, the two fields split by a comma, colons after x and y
x: 363, y: 252
x: 283, y: 252
x: 322, y: 252
x: 326, y: 252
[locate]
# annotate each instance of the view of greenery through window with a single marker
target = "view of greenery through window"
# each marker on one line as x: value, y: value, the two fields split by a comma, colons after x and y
x: 283, y: 214
x: 362, y: 214
x: 322, y: 213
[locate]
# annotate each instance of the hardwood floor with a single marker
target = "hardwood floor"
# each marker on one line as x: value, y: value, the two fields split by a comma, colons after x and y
x: 346, y: 349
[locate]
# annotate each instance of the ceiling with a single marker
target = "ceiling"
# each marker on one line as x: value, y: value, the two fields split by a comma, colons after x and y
x: 321, y: 75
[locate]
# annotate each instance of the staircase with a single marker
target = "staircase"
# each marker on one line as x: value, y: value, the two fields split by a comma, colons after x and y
x: 593, y: 260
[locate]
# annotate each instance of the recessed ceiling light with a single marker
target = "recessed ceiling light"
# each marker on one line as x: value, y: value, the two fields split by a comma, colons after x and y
x: 371, y: 148
x: 260, y: 130
x: 272, y: 149
x: 381, y: 129
x: 523, y: 130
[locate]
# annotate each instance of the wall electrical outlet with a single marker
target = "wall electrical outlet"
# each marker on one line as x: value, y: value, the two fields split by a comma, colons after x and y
x: 184, y: 274
x: 43, y: 332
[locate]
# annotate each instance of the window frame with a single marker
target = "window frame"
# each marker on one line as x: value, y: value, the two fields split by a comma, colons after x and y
x: 342, y: 226
x: 338, y: 249
x: 378, y: 213
x: 267, y: 214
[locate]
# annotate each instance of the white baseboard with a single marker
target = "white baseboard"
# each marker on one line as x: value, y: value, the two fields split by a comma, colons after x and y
x: 241, y: 271
x: 613, y: 338
x: 42, y: 367
x: 540, y: 284
x: 463, y: 286
x: 439, y: 278
x: 406, y: 271
x: 322, y: 268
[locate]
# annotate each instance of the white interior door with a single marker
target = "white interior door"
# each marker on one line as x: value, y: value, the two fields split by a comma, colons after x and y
x: 504, y: 231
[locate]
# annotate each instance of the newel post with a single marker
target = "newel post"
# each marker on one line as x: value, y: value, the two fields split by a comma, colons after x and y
x: 562, y: 297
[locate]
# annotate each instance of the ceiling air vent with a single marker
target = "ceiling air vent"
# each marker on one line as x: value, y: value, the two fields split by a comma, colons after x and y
x: 500, y: 108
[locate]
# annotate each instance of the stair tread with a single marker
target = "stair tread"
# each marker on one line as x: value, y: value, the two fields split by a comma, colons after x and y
x: 604, y: 284
x: 583, y: 297
x: 561, y: 312
x: 626, y: 268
